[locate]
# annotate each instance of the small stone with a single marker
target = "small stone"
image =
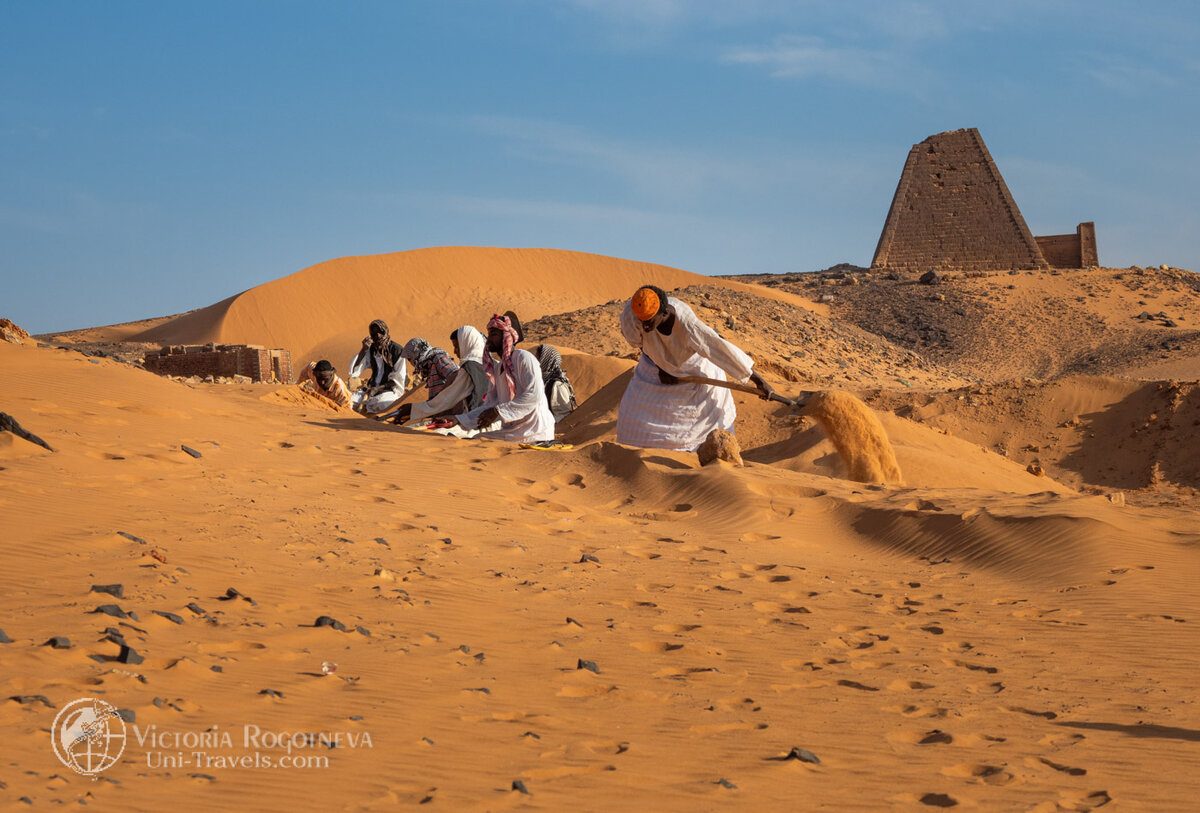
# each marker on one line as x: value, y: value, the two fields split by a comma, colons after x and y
x: 129, y: 655
x: 362, y: 630
x: 1035, y: 468
x: 114, y: 590
x: 932, y: 277
x: 231, y: 594
x: 190, y: 450
x: 327, y: 621
x: 725, y: 783
x: 588, y: 665
x: 30, y: 699
x: 172, y: 617
x: 128, y: 715
x: 58, y: 642
x: 1117, y: 498
x: 111, y: 609
x: 519, y: 786
x: 194, y: 607
x: 271, y: 693
x: 4, y: 639
x: 803, y: 755
x: 587, y: 557
x: 571, y: 620
x: 132, y: 538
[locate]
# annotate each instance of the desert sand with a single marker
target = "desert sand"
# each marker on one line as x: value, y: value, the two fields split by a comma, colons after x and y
x: 614, y: 628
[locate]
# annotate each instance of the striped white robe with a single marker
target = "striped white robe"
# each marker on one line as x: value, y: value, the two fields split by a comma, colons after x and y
x: 679, y: 416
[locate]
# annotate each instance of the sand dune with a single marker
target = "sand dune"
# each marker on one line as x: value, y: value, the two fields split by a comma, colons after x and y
x: 604, y: 627
x: 323, y: 311
x: 610, y: 627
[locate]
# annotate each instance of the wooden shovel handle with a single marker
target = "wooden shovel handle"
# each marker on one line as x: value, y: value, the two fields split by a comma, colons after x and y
x: 737, y: 385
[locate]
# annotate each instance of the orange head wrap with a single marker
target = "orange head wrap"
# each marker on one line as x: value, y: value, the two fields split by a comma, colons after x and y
x: 647, y: 302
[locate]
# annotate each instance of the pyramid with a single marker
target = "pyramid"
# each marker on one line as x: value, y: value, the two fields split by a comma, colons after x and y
x: 952, y: 210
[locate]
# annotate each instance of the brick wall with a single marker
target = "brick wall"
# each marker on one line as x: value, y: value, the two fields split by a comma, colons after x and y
x: 1089, y: 255
x: 1061, y: 250
x: 222, y: 361
x: 952, y: 210
x: 1076, y: 250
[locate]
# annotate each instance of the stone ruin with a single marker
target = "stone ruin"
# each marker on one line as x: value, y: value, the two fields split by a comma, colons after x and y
x: 254, y: 362
x: 953, y: 211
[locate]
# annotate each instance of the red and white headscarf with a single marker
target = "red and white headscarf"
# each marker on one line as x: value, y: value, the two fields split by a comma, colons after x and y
x: 504, y: 324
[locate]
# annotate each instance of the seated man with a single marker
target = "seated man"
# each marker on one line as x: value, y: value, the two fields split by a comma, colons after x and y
x: 658, y: 411
x: 388, y: 371
x: 464, y: 390
x: 325, y: 381
x: 517, y: 397
x: 559, y: 392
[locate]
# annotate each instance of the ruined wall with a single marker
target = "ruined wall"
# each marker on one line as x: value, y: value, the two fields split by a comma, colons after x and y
x: 222, y: 361
x: 1061, y: 250
x: 1076, y: 250
x: 952, y: 210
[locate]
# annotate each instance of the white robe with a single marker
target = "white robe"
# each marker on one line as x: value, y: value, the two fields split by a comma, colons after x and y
x: 395, y: 383
x: 524, y: 413
x: 679, y: 416
x: 471, y: 347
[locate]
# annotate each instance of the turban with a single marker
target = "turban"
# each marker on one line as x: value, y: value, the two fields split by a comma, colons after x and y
x: 504, y: 325
x: 648, y: 302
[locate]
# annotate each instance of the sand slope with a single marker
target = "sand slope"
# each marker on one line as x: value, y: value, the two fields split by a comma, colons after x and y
x: 324, y: 310
x: 610, y: 628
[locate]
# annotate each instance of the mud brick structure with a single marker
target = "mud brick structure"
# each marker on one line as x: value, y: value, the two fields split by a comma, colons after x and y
x: 953, y: 211
x: 1076, y: 250
x: 222, y: 361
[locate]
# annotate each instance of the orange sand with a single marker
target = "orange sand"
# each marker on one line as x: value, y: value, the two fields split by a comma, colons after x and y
x: 858, y: 436
x: 610, y: 628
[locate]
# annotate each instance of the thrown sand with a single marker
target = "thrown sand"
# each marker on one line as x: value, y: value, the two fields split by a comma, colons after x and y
x: 858, y: 436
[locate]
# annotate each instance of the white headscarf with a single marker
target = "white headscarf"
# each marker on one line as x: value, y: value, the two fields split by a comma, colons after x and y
x: 471, y: 344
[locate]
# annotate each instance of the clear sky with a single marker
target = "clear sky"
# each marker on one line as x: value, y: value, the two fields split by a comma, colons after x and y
x: 159, y: 156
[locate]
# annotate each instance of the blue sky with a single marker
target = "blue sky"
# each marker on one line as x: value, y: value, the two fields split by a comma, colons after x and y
x: 160, y: 156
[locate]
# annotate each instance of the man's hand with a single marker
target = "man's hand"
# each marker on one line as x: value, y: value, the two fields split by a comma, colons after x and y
x: 403, y: 414
x: 666, y: 377
x: 765, y: 391
x: 367, y: 343
x: 488, y: 416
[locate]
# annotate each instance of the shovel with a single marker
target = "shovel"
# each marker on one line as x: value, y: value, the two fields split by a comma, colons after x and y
x: 797, y: 403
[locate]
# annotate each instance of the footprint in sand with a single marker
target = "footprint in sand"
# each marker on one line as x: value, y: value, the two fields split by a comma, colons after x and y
x: 676, y: 628
x: 989, y: 774
x: 1035, y: 762
x: 934, y: 712
x: 934, y: 736
x: 655, y: 646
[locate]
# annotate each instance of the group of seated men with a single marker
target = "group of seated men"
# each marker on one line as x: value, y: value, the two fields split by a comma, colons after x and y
x: 678, y: 393
x: 516, y: 395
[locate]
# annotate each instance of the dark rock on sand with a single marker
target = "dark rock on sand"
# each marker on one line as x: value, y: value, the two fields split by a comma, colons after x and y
x: 231, y: 594
x: 30, y: 699
x: 328, y: 621
x: 129, y: 655
x: 114, y: 590
x: 9, y: 424
x: 58, y: 642
x: 800, y: 754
